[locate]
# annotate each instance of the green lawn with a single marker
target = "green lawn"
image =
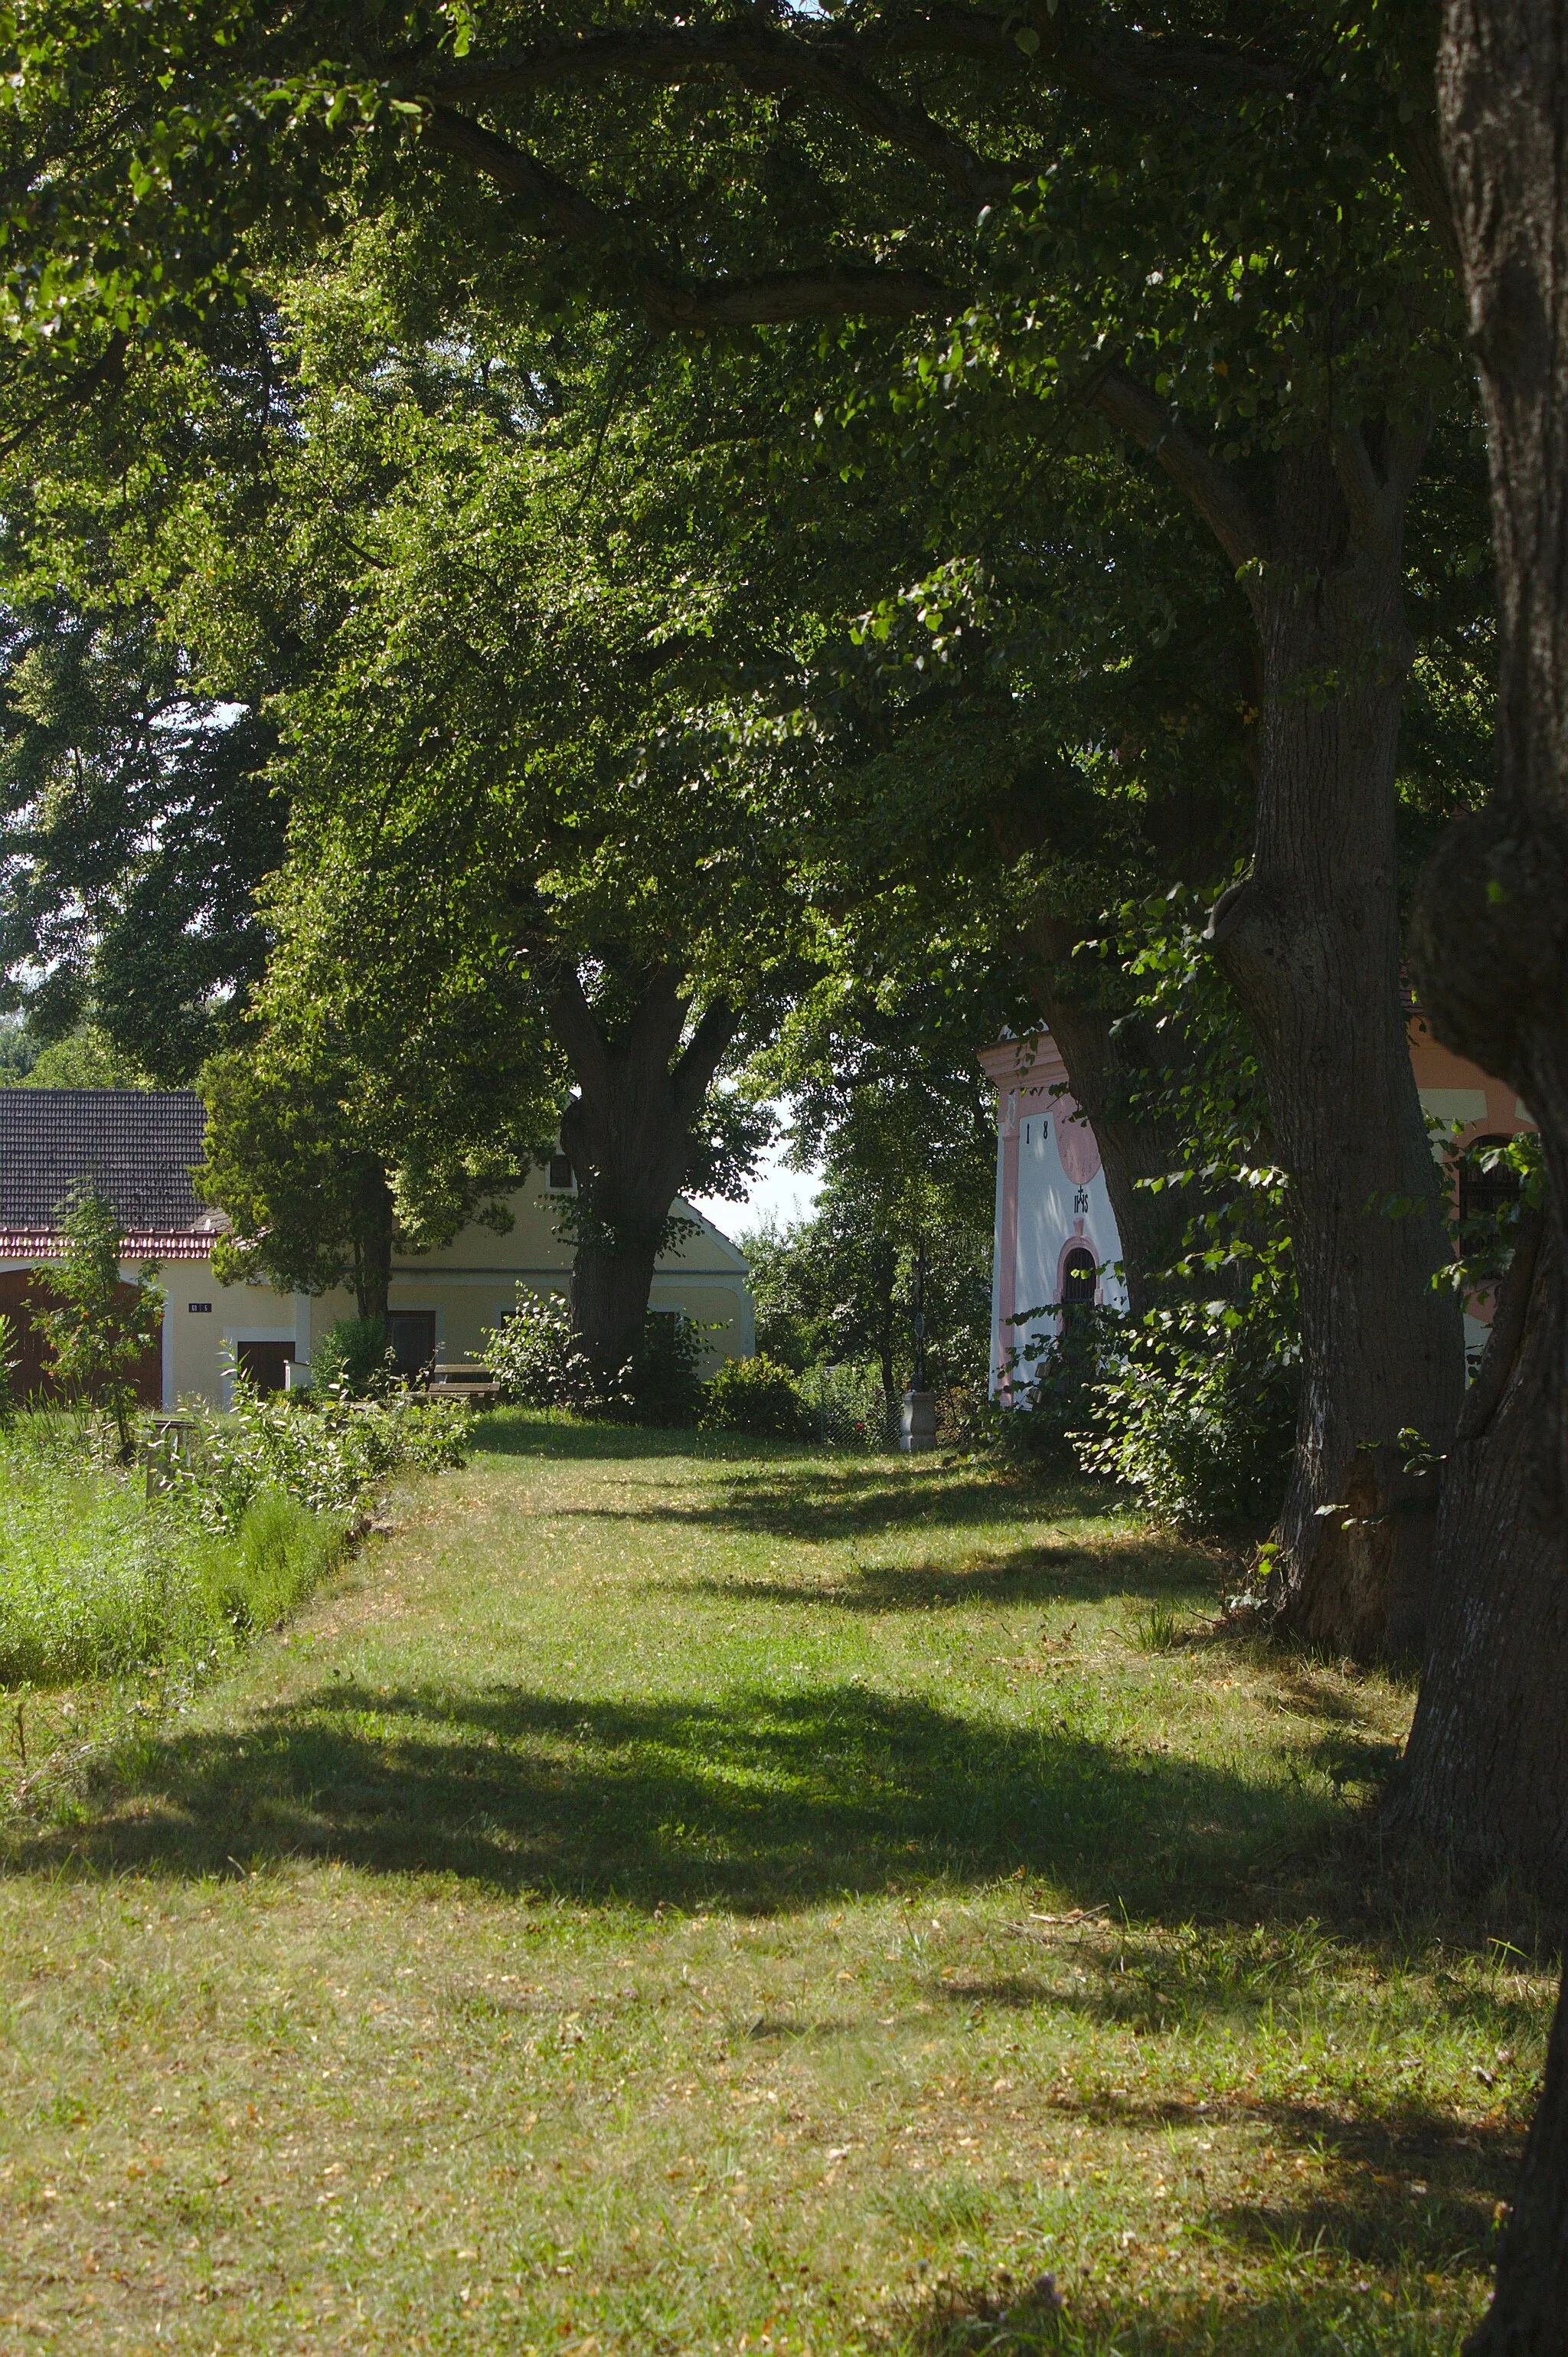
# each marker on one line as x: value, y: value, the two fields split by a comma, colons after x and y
x: 670, y: 1895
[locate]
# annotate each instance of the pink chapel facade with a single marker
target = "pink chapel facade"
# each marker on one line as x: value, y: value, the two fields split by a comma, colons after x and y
x: 1056, y: 1240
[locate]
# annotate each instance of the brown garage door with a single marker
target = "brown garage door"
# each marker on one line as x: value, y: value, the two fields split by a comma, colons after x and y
x: 31, y: 1379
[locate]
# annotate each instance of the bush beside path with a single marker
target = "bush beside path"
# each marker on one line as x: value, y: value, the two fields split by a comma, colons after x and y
x: 676, y: 1894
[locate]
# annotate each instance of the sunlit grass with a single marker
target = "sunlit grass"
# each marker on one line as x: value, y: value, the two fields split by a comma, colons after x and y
x: 678, y: 1895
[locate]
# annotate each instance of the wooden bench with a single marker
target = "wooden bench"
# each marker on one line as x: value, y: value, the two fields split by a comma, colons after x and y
x: 476, y: 1386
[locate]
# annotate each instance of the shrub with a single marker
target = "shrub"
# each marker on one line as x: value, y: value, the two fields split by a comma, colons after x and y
x: 661, y: 1380
x: 849, y: 1406
x: 1053, y: 1387
x: 535, y: 1356
x: 100, y: 1330
x: 538, y: 1362
x: 758, y: 1397
x: 1198, y: 1419
x: 352, y: 1357
x: 325, y: 1451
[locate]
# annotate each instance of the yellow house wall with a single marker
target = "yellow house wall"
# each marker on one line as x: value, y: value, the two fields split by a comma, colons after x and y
x: 471, y: 1285
x: 194, y: 1338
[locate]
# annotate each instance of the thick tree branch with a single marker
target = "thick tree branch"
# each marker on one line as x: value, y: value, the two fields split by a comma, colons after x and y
x: 563, y: 209
x: 1419, y: 152
x: 700, y: 1059
x: 657, y: 1022
x: 820, y: 59
x: 1377, y: 503
x: 1205, y: 482
x: 1136, y: 71
x: 761, y: 59
x: 576, y: 1027
x: 832, y: 290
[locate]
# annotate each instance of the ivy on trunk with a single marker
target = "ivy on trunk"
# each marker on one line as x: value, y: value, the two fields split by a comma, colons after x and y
x: 1489, y: 944
x: 1484, y: 1774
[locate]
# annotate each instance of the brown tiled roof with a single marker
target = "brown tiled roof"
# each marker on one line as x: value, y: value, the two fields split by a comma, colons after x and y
x: 136, y: 1146
x: 43, y: 1244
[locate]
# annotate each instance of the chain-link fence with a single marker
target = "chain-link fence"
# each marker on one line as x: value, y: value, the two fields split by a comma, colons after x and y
x: 852, y: 1408
x: 855, y: 1410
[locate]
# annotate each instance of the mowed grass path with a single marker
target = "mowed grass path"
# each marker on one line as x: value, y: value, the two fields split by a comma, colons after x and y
x: 671, y: 1897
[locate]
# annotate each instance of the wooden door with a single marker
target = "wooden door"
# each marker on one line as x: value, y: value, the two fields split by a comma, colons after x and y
x: 410, y: 1336
x: 31, y: 1375
x: 264, y: 1363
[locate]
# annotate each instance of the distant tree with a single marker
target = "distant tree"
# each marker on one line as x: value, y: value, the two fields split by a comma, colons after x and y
x: 101, y: 1327
x: 18, y: 1050
x: 137, y: 822
x: 348, y: 1125
x: 842, y: 1283
x: 85, y: 1058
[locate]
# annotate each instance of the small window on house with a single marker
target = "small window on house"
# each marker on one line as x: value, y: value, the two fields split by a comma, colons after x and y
x: 1078, y: 1273
x: 560, y: 1174
x: 1483, y: 1193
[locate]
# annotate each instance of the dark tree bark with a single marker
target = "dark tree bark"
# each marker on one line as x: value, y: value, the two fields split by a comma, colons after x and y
x: 1484, y: 1774
x: 373, y: 1226
x: 1529, y: 2315
x: 1310, y: 944
x: 629, y: 1134
x: 1489, y: 946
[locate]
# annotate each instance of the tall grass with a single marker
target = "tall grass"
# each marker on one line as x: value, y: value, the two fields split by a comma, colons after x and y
x: 96, y: 1580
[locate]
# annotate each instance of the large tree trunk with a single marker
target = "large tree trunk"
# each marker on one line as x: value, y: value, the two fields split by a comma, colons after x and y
x: 1484, y: 1774
x: 1529, y: 2315
x: 629, y: 1134
x: 1310, y: 943
x: 611, y: 1279
x: 1489, y: 944
x: 375, y: 1222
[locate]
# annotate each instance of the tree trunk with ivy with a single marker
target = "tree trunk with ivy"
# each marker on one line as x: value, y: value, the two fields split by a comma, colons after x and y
x: 1489, y: 944
x: 1309, y: 942
x: 629, y: 1134
x: 1484, y: 1775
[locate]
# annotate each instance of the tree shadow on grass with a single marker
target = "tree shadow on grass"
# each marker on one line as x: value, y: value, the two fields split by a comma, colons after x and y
x: 762, y: 1801
x: 1027, y: 1574
x: 1398, y: 2194
x: 1332, y: 2318
x: 531, y: 1432
x: 820, y: 1503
